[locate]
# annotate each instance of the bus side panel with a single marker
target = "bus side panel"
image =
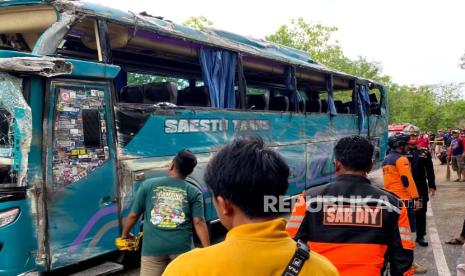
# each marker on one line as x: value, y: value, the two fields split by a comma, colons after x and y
x: 201, y: 130
x: 82, y: 223
x: 305, y: 141
x: 379, y: 130
x: 295, y: 158
x: 325, y: 132
x: 320, y: 168
x: 18, y: 243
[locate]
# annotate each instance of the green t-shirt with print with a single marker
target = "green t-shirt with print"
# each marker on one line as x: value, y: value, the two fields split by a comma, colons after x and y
x: 168, y: 205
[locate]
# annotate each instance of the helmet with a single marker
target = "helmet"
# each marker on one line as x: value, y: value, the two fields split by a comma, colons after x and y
x: 412, y: 130
x: 398, y: 140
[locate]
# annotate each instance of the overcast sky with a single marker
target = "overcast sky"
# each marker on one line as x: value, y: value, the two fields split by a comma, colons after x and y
x: 417, y: 41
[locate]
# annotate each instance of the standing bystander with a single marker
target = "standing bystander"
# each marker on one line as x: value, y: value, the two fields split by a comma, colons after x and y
x: 456, y: 154
x: 460, y: 238
x: 423, y: 141
x: 171, y: 207
x: 423, y: 175
x: 398, y: 179
x: 448, y: 136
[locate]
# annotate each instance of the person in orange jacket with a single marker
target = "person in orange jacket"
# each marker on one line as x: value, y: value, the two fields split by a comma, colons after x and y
x: 398, y: 179
x: 356, y: 225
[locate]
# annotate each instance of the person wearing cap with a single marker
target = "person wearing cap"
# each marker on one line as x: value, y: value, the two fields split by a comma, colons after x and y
x: 456, y: 153
x: 398, y: 179
x: 423, y: 175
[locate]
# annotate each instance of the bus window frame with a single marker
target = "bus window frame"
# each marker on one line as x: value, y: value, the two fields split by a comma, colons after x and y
x: 102, y: 42
x: 50, y: 108
x: 105, y: 51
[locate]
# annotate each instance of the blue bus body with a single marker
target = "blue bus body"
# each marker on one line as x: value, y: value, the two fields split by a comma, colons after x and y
x: 73, y: 199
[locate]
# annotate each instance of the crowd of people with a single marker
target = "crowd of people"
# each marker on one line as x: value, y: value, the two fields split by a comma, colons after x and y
x: 439, y: 145
x: 349, y: 227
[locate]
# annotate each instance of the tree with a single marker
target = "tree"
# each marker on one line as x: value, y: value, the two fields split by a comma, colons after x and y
x: 139, y: 79
x: 448, y: 92
x: 198, y: 22
x: 317, y: 40
x: 418, y: 106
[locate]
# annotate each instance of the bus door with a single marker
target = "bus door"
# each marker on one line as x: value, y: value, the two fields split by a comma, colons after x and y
x: 81, y: 172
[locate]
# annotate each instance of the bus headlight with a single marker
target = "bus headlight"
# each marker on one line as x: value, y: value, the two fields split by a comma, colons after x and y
x: 8, y: 216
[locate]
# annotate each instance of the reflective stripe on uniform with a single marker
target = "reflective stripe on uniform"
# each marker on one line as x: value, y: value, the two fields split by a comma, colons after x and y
x: 404, y: 230
x: 406, y: 237
x: 292, y: 224
x: 297, y: 216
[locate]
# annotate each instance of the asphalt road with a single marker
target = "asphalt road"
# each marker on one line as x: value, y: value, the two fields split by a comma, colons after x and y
x: 445, y: 220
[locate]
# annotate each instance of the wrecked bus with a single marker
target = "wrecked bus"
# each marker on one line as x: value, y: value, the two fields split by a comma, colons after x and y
x: 94, y: 100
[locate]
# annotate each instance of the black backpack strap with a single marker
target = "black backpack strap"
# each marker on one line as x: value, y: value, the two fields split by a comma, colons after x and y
x: 295, y: 265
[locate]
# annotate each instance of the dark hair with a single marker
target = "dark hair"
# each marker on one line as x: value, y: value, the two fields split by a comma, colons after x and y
x: 354, y: 152
x: 398, y: 140
x: 244, y: 172
x: 184, y: 162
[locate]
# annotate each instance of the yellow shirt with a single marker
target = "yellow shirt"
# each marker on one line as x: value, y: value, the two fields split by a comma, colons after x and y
x: 263, y: 248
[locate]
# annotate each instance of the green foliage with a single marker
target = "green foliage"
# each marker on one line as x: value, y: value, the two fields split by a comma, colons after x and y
x: 416, y: 105
x: 198, y: 22
x: 428, y: 107
x: 138, y: 79
x: 317, y: 40
x: 314, y: 39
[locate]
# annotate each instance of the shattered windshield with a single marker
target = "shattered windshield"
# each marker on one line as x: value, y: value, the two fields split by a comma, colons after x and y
x: 6, y: 140
x: 15, y: 132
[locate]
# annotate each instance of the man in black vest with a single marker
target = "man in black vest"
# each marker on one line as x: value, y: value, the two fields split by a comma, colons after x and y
x: 423, y: 175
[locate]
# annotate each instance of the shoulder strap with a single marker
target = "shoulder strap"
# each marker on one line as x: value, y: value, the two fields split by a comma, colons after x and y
x: 295, y: 265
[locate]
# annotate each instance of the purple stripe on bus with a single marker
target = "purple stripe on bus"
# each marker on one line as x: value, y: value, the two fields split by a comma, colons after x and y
x: 96, y: 217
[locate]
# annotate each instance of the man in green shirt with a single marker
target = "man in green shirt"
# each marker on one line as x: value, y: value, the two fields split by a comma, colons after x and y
x: 171, y: 206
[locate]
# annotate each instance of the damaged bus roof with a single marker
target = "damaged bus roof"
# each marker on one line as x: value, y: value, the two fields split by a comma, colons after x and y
x: 210, y: 37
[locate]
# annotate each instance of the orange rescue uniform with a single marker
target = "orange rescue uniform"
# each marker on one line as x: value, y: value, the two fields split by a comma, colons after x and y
x: 356, y: 226
x: 398, y: 177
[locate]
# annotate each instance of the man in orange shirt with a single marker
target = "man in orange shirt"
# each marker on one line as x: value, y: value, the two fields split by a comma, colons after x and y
x: 398, y: 180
